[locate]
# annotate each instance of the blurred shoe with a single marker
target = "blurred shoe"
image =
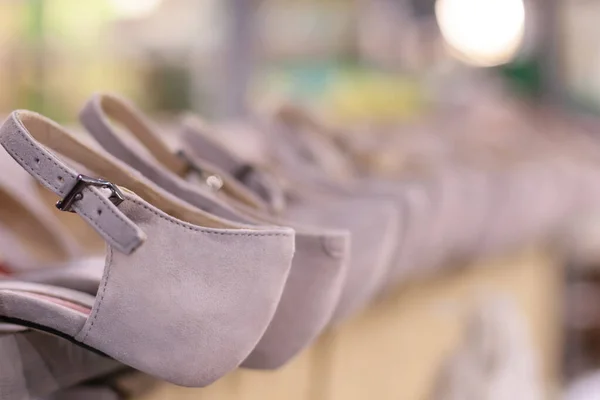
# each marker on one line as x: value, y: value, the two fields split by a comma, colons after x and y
x: 319, y: 266
x: 373, y: 223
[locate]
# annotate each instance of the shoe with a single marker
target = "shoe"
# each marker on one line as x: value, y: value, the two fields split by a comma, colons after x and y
x: 302, y: 143
x: 319, y: 266
x: 36, y: 247
x: 185, y: 295
x: 438, y: 230
x: 138, y: 144
x: 374, y: 224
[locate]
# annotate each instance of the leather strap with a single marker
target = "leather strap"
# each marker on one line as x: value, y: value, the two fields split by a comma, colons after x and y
x: 96, y: 117
x: 310, y: 143
x: 148, y: 156
x: 18, y: 136
x: 196, y: 142
x: 145, y: 151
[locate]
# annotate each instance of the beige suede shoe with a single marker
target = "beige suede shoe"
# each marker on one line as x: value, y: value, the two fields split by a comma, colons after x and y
x: 319, y: 266
x: 185, y: 295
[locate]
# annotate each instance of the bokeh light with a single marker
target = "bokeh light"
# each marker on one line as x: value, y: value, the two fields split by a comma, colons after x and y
x: 482, y: 32
x: 134, y: 8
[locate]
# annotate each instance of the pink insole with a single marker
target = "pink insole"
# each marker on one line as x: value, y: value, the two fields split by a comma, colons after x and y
x: 62, y: 302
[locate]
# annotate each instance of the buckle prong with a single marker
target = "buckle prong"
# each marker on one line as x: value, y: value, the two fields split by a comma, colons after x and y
x: 83, y: 181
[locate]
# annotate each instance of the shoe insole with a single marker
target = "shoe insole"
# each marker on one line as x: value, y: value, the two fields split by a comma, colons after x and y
x: 61, y: 302
x: 55, y: 310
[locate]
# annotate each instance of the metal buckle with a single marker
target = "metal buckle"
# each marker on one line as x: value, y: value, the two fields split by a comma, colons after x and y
x: 213, y: 181
x: 75, y: 194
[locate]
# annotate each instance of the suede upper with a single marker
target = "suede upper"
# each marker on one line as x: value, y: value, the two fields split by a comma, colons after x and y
x: 196, y: 289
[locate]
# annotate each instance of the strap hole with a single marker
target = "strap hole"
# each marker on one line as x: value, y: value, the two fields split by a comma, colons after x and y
x: 99, y: 211
x: 60, y: 178
x: 37, y: 160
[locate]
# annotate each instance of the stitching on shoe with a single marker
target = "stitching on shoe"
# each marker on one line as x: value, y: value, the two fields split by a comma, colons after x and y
x: 202, y: 230
x: 100, y: 295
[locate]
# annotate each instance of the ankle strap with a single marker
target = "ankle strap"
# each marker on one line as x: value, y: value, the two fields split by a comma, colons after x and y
x: 196, y: 143
x: 96, y: 115
x: 94, y: 200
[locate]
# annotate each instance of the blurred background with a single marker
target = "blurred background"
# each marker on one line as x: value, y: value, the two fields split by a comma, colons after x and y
x: 375, y: 63
x: 381, y: 58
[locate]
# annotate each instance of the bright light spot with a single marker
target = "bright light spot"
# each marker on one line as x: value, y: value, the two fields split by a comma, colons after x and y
x: 482, y: 32
x: 134, y: 8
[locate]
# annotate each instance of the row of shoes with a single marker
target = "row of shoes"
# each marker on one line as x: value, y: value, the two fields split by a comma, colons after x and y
x: 172, y: 255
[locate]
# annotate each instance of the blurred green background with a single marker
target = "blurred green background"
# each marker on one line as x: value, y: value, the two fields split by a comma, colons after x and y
x: 384, y: 59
